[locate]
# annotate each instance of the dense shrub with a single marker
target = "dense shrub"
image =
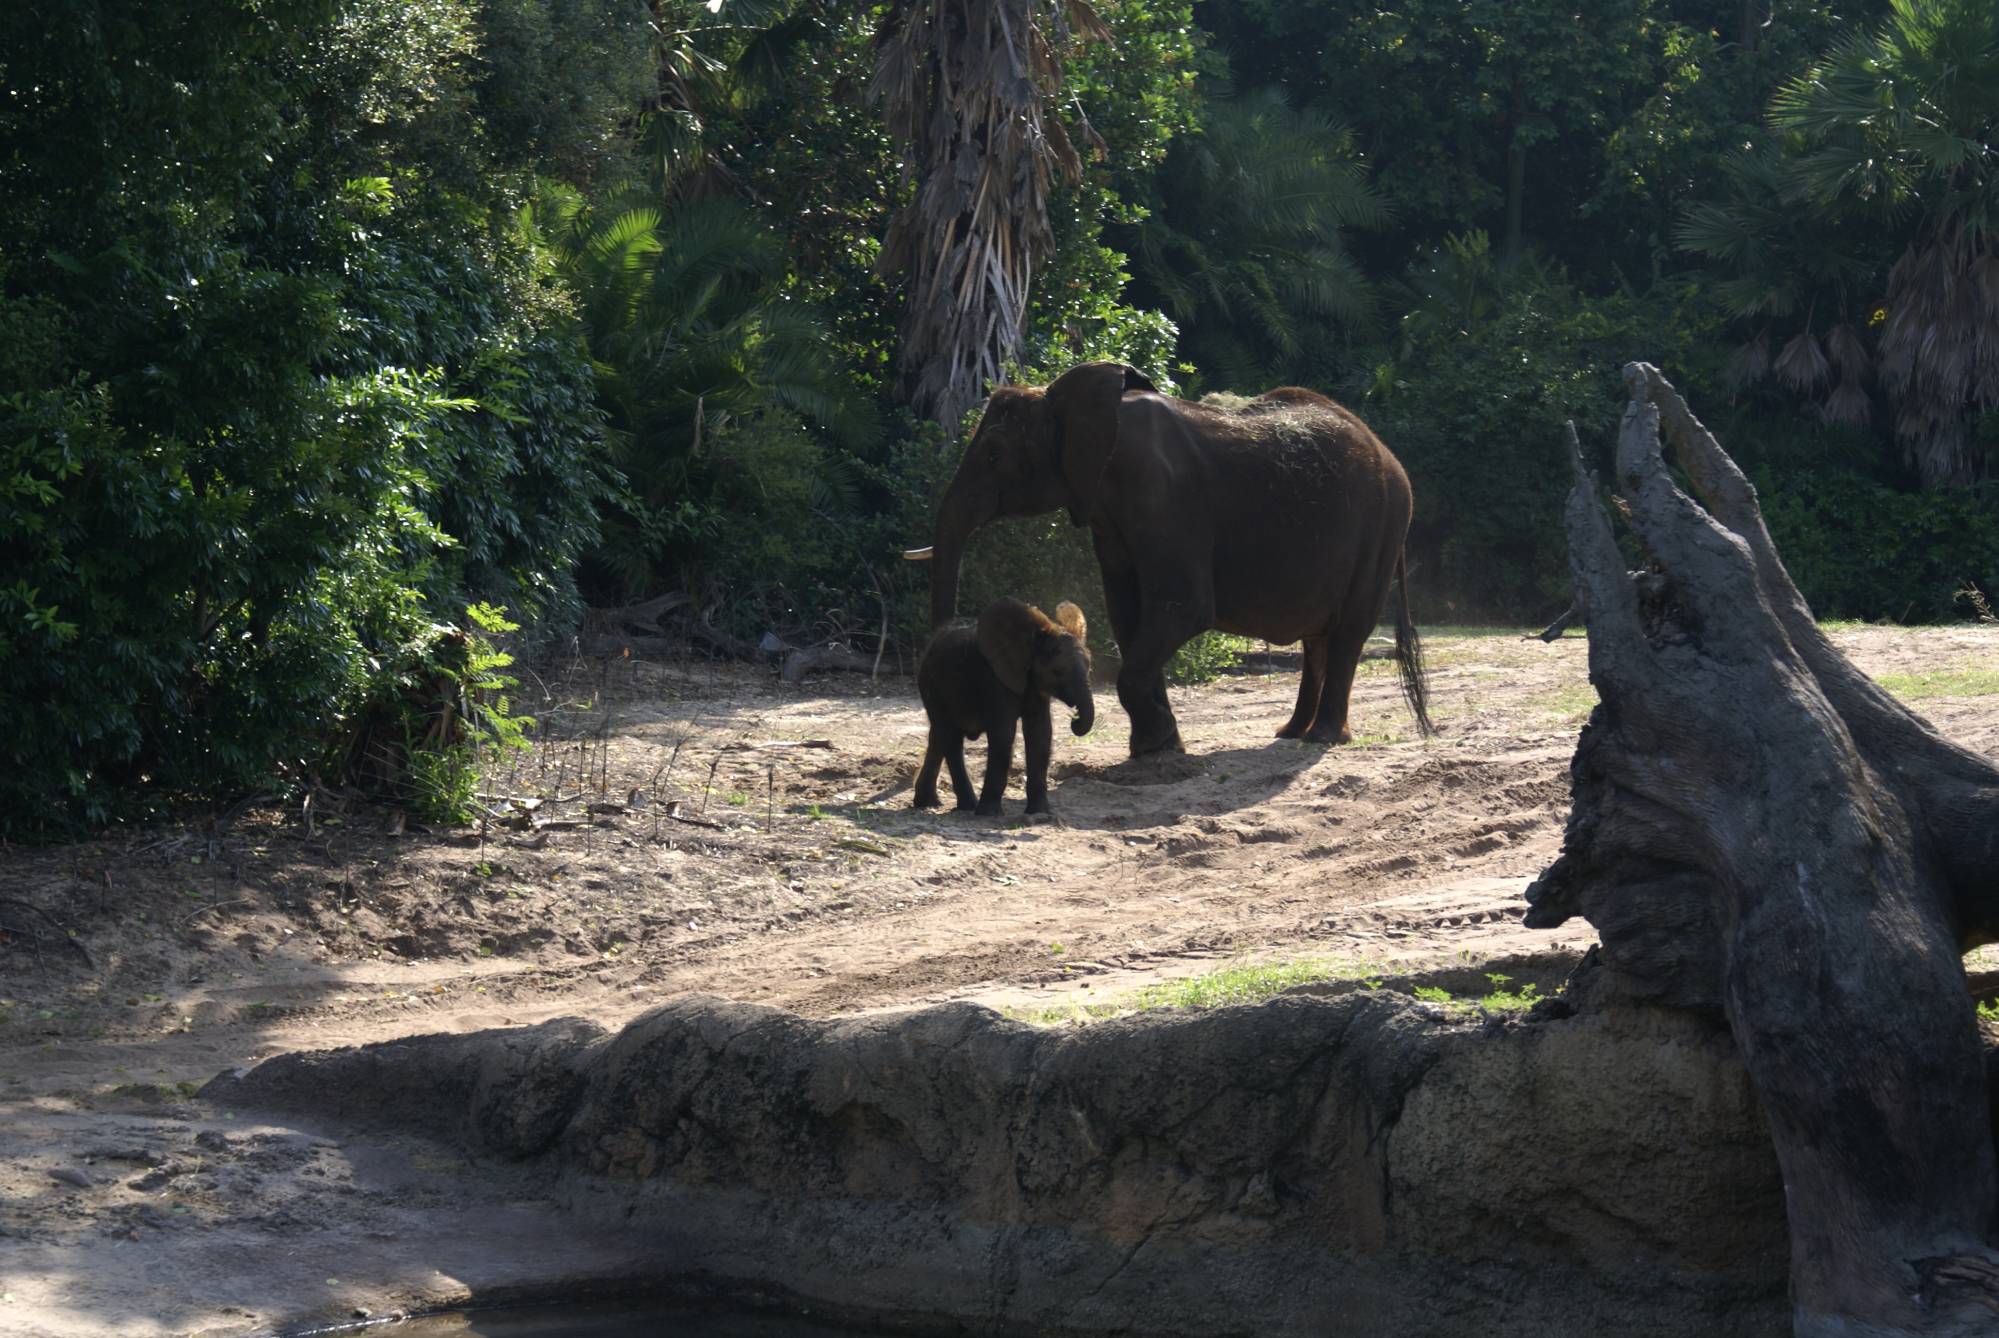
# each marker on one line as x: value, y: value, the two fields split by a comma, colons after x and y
x: 1475, y: 408
x: 1859, y: 549
x: 286, y: 389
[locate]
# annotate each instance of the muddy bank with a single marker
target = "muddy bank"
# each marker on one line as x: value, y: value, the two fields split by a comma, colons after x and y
x: 1313, y: 1165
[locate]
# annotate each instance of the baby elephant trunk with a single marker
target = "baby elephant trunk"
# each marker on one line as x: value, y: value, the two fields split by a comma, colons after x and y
x: 1075, y: 693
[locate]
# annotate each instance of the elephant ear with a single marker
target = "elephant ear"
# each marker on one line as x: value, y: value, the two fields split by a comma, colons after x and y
x: 1070, y: 619
x: 1006, y: 639
x: 1084, y: 401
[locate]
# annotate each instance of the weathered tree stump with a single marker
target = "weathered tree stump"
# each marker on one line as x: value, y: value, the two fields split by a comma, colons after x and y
x: 1760, y: 831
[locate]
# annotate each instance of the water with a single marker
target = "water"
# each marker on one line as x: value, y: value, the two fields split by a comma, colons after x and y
x: 616, y: 1320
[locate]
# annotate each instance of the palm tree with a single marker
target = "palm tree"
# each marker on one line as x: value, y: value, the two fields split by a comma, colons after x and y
x: 1802, y: 284
x: 1905, y: 121
x: 1245, y: 252
x: 963, y: 86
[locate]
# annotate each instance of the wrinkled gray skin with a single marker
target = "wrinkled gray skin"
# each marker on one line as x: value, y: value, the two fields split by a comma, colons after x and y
x: 985, y: 679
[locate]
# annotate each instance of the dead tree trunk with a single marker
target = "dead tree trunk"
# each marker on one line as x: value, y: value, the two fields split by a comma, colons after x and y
x: 1760, y: 831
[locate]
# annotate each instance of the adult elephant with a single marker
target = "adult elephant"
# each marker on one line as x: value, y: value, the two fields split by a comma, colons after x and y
x: 1282, y: 518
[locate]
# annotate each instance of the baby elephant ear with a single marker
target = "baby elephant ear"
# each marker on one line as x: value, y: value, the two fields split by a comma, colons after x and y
x: 1006, y: 639
x: 1070, y: 619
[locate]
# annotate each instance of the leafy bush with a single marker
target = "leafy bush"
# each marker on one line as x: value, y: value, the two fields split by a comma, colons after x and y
x: 1206, y: 658
x: 1493, y: 364
x: 1860, y: 549
x: 283, y: 378
x: 184, y: 613
x: 435, y: 720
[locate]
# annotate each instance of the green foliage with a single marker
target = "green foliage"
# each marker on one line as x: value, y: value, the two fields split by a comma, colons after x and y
x: 1859, y: 549
x: 1245, y: 249
x: 1128, y: 99
x: 1207, y: 657
x: 323, y: 316
x: 556, y: 80
x: 435, y: 719
x: 1493, y: 364
x: 283, y: 375
x: 1503, y: 1000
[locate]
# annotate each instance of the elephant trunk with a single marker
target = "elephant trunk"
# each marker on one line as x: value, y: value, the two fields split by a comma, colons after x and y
x: 1076, y: 694
x: 958, y: 515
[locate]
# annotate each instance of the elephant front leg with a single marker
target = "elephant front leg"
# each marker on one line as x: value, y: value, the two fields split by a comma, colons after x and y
x: 999, y: 761
x: 1037, y: 730
x: 1143, y: 696
x: 1164, y: 626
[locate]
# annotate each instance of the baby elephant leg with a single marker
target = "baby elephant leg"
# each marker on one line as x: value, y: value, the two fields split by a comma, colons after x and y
x: 999, y: 761
x: 1038, y: 733
x: 934, y: 753
x: 961, y: 779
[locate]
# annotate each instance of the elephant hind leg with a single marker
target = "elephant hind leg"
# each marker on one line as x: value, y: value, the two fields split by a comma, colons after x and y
x: 934, y: 753
x: 1311, y: 681
x: 1342, y: 658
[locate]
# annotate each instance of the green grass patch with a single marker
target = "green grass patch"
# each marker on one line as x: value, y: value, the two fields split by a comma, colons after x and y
x: 1459, y: 632
x: 1235, y: 984
x: 1498, y: 1000
x: 1368, y: 738
x: 1578, y: 699
x: 1253, y: 982
x: 1964, y: 681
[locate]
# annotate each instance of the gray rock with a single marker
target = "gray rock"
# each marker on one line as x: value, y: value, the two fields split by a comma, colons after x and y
x: 1305, y: 1166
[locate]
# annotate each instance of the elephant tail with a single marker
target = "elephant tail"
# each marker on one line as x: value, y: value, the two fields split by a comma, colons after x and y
x: 1409, y: 651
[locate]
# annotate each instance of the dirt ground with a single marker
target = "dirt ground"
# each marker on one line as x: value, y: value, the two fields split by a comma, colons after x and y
x: 688, y: 827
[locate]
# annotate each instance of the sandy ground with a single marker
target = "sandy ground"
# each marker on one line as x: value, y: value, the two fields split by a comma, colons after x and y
x: 688, y: 827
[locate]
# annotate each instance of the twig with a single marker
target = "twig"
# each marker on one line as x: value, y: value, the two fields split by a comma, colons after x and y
x: 709, y: 788
x: 770, y: 799
x: 38, y: 939
x: 665, y: 769
x: 240, y: 807
x: 214, y: 906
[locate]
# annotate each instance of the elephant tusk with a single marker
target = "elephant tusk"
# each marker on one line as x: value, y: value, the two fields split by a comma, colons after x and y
x: 918, y: 554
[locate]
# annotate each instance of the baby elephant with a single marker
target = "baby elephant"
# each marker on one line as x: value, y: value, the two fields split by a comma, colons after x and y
x: 981, y: 679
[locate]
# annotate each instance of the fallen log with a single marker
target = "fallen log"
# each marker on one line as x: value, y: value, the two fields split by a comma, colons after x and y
x: 644, y: 616
x: 613, y: 644
x: 1759, y: 831
x: 816, y: 659
x: 731, y: 647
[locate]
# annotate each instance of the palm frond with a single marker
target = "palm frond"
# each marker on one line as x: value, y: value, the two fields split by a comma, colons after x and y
x: 1802, y: 364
